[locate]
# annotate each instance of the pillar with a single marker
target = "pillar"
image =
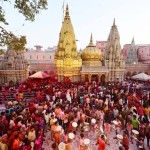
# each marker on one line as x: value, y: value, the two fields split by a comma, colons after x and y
x: 99, y: 78
x: 82, y: 77
x: 106, y: 77
x: 89, y: 77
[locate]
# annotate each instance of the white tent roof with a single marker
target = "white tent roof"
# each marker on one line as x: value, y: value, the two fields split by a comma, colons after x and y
x: 39, y: 75
x: 141, y: 76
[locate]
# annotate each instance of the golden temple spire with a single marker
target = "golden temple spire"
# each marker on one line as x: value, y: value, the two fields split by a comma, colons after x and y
x: 67, y: 42
x: 67, y: 13
x: 67, y: 60
x: 67, y: 33
x: 91, y: 42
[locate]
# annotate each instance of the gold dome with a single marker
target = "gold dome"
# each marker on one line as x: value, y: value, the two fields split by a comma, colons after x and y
x: 91, y: 53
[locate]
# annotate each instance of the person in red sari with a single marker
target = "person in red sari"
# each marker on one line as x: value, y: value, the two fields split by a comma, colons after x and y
x: 16, y: 143
x: 11, y: 138
x: 70, y: 128
x: 101, y: 142
x: 125, y: 141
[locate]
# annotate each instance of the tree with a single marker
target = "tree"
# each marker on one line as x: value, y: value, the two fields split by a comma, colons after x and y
x: 29, y: 9
x: 2, y: 51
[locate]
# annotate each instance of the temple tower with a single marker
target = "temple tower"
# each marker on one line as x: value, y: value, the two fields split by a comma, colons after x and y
x: 114, y: 56
x: 67, y: 60
x: 132, y: 58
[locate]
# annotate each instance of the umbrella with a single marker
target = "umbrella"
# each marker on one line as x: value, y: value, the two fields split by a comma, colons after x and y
x: 39, y: 75
x: 141, y: 76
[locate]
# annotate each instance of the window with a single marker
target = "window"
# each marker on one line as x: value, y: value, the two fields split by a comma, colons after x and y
x: 50, y: 56
x: 43, y: 57
x: 37, y: 56
x: 30, y: 56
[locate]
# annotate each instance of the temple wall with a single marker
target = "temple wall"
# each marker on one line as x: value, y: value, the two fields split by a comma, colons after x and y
x: 13, y: 75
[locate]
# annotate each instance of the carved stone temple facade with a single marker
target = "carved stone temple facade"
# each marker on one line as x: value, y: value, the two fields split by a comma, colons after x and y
x: 132, y: 57
x: 91, y: 64
x: 114, y: 58
x: 14, y: 67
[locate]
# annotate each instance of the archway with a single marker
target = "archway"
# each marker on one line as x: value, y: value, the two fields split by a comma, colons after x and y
x: 103, y: 78
x: 11, y: 83
x: 134, y: 73
x: 86, y: 78
x: 128, y: 74
x: 94, y: 78
x: 67, y: 79
x: 33, y: 72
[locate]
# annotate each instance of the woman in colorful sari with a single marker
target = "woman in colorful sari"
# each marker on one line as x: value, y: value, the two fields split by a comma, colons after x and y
x: 101, y: 142
x: 57, y: 132
x: 38, y: 143
x: 125, y: 141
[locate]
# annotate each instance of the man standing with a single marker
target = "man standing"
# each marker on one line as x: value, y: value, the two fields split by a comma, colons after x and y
x: 135, y: 122
x: 107, y: 129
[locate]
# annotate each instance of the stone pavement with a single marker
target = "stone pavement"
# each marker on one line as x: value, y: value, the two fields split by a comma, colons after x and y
x: 75, y: 144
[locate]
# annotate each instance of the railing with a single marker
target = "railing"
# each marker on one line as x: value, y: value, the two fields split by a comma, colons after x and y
x: 10, y: 95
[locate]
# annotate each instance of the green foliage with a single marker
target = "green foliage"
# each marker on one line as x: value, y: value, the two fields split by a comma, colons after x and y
x: 29, y: 9
x: 2, y: 51
x: 2, y: 16
x: 17, y: 43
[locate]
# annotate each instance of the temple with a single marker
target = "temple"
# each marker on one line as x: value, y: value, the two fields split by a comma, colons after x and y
x: 67, y: 60
x: 132, y: 54
x: 114, y: 59
x: 90, y: 64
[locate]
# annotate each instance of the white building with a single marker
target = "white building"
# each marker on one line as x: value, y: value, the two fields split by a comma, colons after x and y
x: 40, y: 60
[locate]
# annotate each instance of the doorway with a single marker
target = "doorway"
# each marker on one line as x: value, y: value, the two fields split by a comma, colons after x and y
x: 103, y: 78
x: 94, y: 78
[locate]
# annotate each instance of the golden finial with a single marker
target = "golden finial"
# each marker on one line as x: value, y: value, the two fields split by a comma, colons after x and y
x: 114, y: 22
x: 91, y: 41
x: 67, y: 12
x: 63, y: 8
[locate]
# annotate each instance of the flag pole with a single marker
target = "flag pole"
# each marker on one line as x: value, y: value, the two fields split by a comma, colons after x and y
x: 63, y: 8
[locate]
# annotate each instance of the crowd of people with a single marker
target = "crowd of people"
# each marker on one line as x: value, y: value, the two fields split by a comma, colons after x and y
x: 67, y: 109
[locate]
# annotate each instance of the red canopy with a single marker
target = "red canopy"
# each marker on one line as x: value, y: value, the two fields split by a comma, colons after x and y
x: 39, y: 75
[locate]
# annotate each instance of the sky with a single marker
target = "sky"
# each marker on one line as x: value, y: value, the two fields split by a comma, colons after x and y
x: 87, y: 16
